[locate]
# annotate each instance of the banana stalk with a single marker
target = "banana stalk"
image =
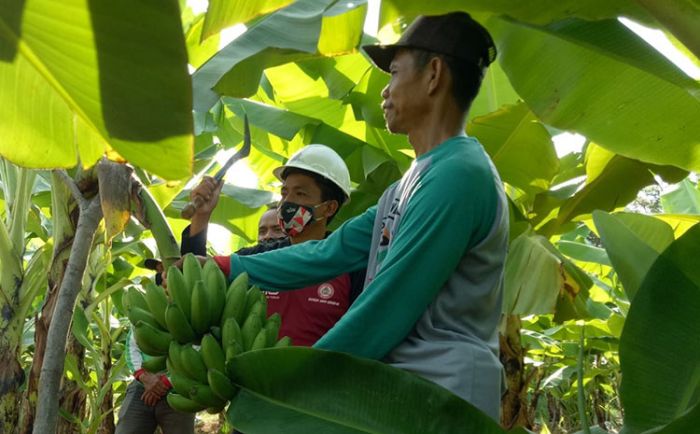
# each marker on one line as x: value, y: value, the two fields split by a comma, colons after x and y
x: 156, y: 221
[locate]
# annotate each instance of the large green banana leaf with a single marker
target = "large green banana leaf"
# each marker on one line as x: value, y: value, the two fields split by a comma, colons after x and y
x: 623, y: 233
x: 495, y: 92
x: 199, y: 51
x: 539, y: 280
x: 78, y: 77
x: 302, y: 390
x: 659, y: 354
x: 520, y: 147
x: 236, y: 69
x: 534, y: 11
x: 601, y: 80
x: 687, y: 423
x: 224, y: 13
x: 685, y: 199
x: 612, y: 182
x: 362, y: 159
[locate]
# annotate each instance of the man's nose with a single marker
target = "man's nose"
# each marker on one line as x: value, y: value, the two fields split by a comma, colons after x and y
x: 385, y: 92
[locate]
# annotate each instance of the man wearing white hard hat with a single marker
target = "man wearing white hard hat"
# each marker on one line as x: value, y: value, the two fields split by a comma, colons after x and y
x: 315, y: 184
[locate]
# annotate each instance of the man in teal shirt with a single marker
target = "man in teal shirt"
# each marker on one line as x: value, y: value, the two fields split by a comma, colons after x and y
x: 435, y: 244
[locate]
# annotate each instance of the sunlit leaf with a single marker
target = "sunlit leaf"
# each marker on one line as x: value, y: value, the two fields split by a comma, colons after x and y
x: 236, y: 69
x: 632, y: 101
x: 537, y: 11
x: 224, y: 13
x: 519, y: 146
x: 78, y: 78
x: 623, y: 234
x: 626, y: 175
x: 342, y: 27
x: 199, y: 52
x: 685, y: 199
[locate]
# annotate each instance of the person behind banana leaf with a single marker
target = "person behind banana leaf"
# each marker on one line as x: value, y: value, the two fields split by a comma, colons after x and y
x: 435, y: 244
x: 315, y: 185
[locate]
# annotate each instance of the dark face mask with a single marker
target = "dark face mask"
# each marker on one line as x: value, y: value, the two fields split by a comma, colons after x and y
x: 268, y: 242
x: 294, y: 218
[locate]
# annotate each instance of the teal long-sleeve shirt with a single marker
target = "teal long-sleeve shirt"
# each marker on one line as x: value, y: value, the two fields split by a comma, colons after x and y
x: 434, y: 248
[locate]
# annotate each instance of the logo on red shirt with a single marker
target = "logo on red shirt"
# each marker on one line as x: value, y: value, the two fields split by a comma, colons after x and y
x: 325, y: 291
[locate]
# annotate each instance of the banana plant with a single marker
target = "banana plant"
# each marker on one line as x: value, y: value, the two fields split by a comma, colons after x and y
x: 20, y: 283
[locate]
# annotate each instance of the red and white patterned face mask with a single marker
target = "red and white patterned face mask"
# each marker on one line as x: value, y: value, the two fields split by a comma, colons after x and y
x: 293, y: 218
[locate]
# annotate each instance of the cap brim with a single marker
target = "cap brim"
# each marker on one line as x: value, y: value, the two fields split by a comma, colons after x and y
x: 381, y: 55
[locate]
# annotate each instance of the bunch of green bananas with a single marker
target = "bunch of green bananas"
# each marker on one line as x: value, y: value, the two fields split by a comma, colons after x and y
x: 197, y: 328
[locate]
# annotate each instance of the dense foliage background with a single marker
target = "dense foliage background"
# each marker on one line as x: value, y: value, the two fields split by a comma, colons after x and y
x: 602, y: 289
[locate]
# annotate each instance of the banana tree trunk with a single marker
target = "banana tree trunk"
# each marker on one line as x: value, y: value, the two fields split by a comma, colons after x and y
x: 17, y: 188
x: 106, y: 406
x: 514, y: 408
x: 72, y: 399
x: 11, y: 379
x: 52, y: 367
x: 64, y: 211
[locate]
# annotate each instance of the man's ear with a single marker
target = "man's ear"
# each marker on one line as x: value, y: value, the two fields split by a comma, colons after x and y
x: 435, y: 74
x: 331, y: 208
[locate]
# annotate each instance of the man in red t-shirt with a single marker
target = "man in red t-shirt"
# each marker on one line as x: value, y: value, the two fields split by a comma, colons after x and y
x: 315, y: 184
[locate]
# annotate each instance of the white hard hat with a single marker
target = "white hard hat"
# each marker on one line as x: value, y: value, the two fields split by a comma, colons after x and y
x: 322, y: 160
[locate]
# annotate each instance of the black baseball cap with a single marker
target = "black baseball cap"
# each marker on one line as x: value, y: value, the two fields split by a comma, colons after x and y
x: 455, y: 34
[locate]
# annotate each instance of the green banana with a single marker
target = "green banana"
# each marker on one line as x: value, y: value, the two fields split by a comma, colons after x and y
x: 157, y: 302
x: 215, y: 286
x: 200, y: 309
x: 260, y: 340
x: 216, y: 332
x: 249, y: 331
x: 192, y: 270
x: 233, y: 351
x: 192, y: 364
x: 203, y: 395
x: 253, y: 296
x: 182, y: 383
x: 174, y: 363
x: 150, y: 340
x: 272, y: 328
x: 231, y: 333
x: 154, y: 364
x: 180, y: 403
x: 258, y: 309
x: 230, y: 371
x: 178, y: 290
x: 136, y: 314
x: 284, y: 342
x: 178, y: 325
x: 135, y: 298
x: 221, y: 385
x: 241, y: 281
x: 212, y: 354
x: 263, y: 300
x: 235, y: 300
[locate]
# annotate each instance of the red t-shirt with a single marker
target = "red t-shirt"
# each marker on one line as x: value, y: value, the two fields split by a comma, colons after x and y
x: 307, y: 314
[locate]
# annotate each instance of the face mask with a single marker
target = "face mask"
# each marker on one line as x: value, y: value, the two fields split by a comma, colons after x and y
x: 269, y: 242
x: 294, y: 218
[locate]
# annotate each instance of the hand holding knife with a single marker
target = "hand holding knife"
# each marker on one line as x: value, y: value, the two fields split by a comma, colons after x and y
x: 189, y: 209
